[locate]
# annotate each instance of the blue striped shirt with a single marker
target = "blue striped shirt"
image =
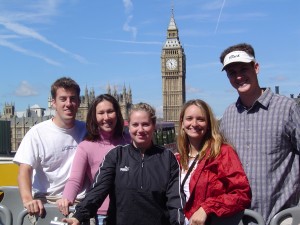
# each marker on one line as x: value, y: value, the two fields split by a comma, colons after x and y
x: 267, y: 140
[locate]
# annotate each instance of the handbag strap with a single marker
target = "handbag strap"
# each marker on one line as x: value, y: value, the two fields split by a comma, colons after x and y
x: 189, y: 171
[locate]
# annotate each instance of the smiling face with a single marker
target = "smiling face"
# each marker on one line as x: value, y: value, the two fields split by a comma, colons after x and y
x: 106, y: 117
x: 141, y: 129
x: 66, y: 103
x: 243, y: 76
x: 194, y: 123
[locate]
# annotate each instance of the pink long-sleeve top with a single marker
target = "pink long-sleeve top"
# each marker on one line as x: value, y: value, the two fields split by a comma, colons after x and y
x: 86, y: 163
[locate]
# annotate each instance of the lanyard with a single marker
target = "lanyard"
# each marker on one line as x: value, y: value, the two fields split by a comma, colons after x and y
x: 189, y: 171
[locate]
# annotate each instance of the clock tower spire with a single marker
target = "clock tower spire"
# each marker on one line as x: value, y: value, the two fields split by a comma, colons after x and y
x: 173, y: 74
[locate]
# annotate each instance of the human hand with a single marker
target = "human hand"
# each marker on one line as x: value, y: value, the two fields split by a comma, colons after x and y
x: 63, y: 206
x: 71, y: 221
x: 198, y: 218
x: 34, y: 206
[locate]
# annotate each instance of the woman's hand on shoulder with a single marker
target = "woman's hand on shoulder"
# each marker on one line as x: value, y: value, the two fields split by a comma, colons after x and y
x: 63, y: 206
x: 198, y: 218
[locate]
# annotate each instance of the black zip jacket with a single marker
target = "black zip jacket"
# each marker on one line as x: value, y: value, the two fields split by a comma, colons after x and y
x: 143, y: 190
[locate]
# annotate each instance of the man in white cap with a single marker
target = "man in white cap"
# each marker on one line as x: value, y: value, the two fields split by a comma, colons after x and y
x: 264, y: 128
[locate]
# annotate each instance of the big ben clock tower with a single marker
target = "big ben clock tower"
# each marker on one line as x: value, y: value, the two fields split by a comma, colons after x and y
x: 173, y: 74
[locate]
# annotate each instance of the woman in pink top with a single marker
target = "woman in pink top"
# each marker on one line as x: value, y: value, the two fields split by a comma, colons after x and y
x: 104, y: 131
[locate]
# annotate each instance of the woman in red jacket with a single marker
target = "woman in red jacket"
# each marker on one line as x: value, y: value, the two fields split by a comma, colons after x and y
x: 212, y: 175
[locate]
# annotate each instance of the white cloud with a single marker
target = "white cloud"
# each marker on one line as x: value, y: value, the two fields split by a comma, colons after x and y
x: 27, y: 52
x: 39, y: 11
x: 127, y: 41
x: 139, y: 53
x: 128, y: 5
x: 25, y: 89
x: 13, y: 21
x: 126, y: 27
x: 213, y: 5
x: 192, y: 90
x: 219, y: 16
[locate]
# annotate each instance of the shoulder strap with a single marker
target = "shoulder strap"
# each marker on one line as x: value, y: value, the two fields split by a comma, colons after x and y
x: 189, y: 171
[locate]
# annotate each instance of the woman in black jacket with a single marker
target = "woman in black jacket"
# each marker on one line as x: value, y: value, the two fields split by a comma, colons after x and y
x: 142, y: 180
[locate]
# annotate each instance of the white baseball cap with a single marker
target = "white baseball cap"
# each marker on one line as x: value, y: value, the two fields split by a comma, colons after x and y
x: 237, y: 56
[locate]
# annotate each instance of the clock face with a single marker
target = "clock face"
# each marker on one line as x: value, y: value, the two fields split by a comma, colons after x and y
x: 171, y: 64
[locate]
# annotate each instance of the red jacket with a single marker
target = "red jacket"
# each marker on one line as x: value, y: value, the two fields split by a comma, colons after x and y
x: 219, y: 185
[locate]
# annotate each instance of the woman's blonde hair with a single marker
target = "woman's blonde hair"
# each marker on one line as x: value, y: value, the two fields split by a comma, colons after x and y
x: 143, y: 107
x: 212, y: 140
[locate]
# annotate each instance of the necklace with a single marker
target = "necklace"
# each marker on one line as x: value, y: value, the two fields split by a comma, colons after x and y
x: 198, y: 151
x: 192, y: 156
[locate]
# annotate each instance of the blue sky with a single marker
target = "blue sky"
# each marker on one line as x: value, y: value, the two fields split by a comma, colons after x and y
x: 119, y: 42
